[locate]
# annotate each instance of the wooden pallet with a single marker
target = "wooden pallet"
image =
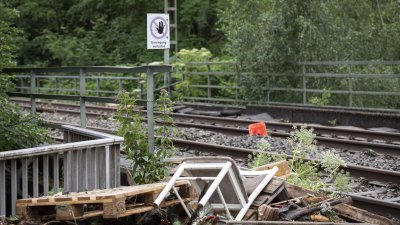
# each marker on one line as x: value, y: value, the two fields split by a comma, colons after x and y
x: 108, y: 203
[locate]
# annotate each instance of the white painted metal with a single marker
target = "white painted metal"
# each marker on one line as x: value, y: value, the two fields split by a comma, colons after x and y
x: 225, y: 169
x: 35, y: 166
x: 181, y: 201
x: 45, y: 175
x: 256, y: 192
x: 2, y: 188
x: 170, y: 184
x: 14, y: 187
x: 77, y: 168
x: 235, y: 183
x: 215, y: 184
x: 221, y: 196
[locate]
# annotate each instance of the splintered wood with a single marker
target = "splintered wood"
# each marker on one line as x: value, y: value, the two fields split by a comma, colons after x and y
x: 108, y: 203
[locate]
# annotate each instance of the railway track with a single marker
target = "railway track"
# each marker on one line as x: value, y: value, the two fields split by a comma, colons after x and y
x: 350, y: 138
x: 386, y: 207
x: 336, y: 137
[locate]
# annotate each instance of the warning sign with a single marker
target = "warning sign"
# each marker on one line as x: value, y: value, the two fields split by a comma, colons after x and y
x: 158, y: 31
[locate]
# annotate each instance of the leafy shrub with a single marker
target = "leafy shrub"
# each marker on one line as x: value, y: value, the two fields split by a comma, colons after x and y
x: 147, y: 167
x: 18, y: 129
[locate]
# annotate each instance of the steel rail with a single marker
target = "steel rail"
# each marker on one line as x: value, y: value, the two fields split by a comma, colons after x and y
x: 335, y: 137
x: 236, y: 152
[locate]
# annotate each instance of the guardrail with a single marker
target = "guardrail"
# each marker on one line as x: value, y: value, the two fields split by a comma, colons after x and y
x: 86, y: 82
x: 349, y: 83
x: 88, y: 160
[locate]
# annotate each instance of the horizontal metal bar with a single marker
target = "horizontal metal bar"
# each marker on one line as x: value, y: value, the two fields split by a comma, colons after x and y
x: 87, y: 132
x: 56, y: 76
x: 88, y: 69
x: 214, y: 73
x: 315, y: 63
x: 101, y: 91
x: 350, y: 63
x: 211, y: 63
x: 54, y: 89
x: 45, y: 96
x: 29, y: 152
x: 214, y: 99
x: 214, y: 86
x: 112, y: 78
x: 346, y: 75
x: 77, y: 77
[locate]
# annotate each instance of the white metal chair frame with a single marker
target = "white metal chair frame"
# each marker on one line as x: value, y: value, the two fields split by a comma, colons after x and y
x: 225, y: 168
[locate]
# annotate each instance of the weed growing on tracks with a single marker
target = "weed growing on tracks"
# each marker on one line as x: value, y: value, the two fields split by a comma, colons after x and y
x: 165, y: 131
x: 306, y: 173
x: 263, y: 157
x: 146, y: 167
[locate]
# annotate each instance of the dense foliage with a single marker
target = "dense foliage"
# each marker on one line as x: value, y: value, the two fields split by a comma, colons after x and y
x: 264, y: 36
x: 104, y: 32
x: 17, y: 128
x: 271, y: 36
x: 293, y: 31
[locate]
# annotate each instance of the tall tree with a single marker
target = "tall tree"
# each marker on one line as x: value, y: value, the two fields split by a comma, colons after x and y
x: 106, y: 32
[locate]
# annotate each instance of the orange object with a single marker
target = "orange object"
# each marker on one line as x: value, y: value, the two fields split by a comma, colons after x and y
x: 259, y: 129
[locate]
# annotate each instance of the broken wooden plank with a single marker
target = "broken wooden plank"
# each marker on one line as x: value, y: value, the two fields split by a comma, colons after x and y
x: 360, y: 215
x: 109, y: 203
x: 291, y: 223
x: 270, y: 192
x: 283, y: 168
x: 143, y: 209
x: 97, y: 196
x: 69, y: 212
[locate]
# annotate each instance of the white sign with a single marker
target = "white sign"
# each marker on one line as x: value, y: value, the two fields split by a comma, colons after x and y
x: 158, y: 31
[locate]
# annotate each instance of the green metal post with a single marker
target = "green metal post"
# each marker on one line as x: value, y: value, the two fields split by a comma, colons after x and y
x: 150, y: 101
x: 208, y: 82
x: 350, y: 83
x: 82, y: 94
x: 33, y: 91
x: 304, y: 84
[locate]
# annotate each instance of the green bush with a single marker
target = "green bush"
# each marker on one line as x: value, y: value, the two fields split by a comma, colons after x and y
x: 146, y: 167
x: 18, y: 129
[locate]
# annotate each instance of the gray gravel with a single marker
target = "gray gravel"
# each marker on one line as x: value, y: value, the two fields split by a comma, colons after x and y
x: 278, y: 145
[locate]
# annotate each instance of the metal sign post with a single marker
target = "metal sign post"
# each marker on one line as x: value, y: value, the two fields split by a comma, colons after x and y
x: 157, y: 38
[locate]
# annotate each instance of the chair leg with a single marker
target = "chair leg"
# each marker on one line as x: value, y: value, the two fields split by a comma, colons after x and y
x: 170, y: 184
x: 221, y: 196
x: 181, y: 201
x: 256, y: 192
x: 215, y: 184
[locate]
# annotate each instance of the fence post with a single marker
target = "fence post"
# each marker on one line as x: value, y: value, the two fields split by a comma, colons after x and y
x: 119, y: 84
x: 268, y: 86
x: 21, y: 88
x: 33, y: 91
x: 150, y: 100
x: 208, y: 82
x: 56, y: 84
x: 82, y: 94
x: 237, y: 82
x: 304, y: 84
x: 350, y: 82
x: 183, y: 80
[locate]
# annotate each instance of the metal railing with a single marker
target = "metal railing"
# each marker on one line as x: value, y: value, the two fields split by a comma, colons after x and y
x: 347, y: 81
x: 88, y: 160
x: 83, y: 84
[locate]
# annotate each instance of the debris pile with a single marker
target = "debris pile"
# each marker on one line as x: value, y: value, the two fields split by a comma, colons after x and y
x: 278, y: 202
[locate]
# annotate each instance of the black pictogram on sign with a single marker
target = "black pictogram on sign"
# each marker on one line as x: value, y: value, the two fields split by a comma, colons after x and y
x: 159, y: 28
